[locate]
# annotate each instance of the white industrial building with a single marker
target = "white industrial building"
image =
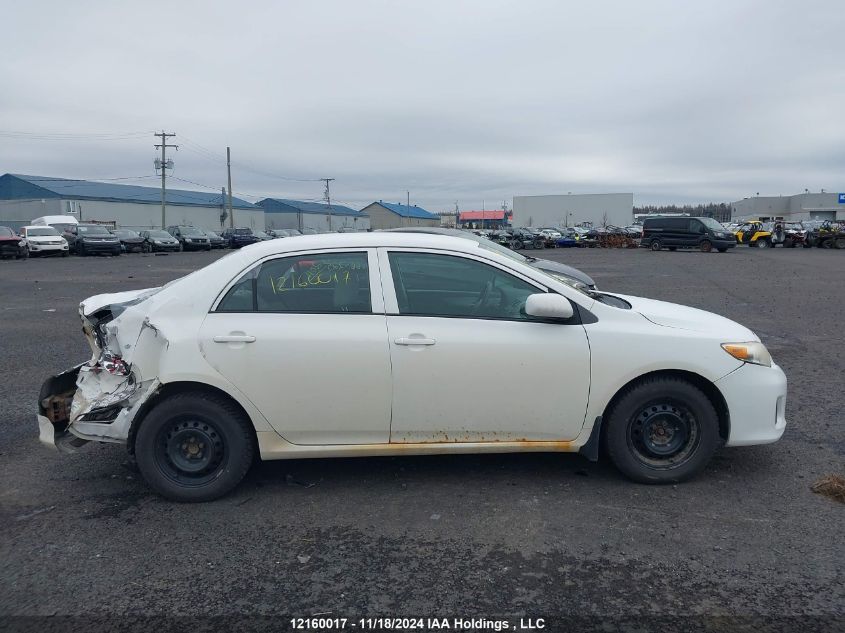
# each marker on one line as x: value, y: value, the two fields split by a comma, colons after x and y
x: 568, y: 209
x: 24, y: 198
x: 802, y: 206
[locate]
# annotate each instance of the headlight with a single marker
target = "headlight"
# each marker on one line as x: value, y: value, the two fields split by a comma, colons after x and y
x: 157, y: 241
x: 753, y: 352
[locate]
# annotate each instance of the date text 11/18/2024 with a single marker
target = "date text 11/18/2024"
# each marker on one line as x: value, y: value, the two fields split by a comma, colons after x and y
x: 416, y: 624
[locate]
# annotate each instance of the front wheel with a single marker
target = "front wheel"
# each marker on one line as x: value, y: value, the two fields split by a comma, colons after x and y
x: 194, y: 447
x: 705, y: 246
x: 761, y: 243
x: 662, y: 430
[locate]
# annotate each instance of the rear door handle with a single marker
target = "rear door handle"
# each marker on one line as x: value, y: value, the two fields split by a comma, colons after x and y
x: 410, y: 340
x: 234, y: 338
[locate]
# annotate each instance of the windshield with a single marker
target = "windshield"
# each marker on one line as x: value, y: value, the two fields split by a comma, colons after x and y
x: 6, y: 232
x: 47, y: 230
x: 711, y: 224
x: 191, y: 231
x: 212, y: 235
x: 242, y: 231
x: 160, y: 234
x: 125, y: 233
x: 92, y: 230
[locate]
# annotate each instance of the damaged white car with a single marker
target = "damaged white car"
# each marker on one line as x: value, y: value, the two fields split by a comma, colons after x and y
x: 371, y: 344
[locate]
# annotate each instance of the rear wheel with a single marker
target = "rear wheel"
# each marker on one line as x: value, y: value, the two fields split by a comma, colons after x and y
x: 762, y: 243
x: 839, y: 242
x: 788, y: 243
x: 662, y: 430
x: 705, y: 246
x: 194, y: 447
x: 656, y: 245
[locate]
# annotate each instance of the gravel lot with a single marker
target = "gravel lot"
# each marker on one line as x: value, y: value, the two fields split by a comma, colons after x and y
x: 540, y: 536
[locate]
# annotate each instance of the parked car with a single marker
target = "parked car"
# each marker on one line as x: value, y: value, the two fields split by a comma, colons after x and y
x: 551, y: 237
x: 158, y: 241
x: 12, y: 244
x: 130, y: 241
x: 263, y: 235
x: 236, y: 238
x: 281, y: 233
x: 673, y: 233
x: 215, y: 240
x: 91, y: 239
x: 568, y: 238
x: 190, y: 238
x: 44, y: 240
x: 562, y: 272
x: 198, y: 376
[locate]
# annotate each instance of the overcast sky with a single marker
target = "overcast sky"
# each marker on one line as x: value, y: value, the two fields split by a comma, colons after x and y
x: 472, y: 102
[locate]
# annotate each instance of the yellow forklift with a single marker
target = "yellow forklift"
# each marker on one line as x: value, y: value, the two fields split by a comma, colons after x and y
x: 754, y: 234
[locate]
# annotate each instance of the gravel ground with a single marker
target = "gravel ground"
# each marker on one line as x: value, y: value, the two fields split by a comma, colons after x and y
x: 550, y: 536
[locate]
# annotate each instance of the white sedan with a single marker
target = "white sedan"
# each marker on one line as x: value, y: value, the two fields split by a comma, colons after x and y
x: 362, y: 344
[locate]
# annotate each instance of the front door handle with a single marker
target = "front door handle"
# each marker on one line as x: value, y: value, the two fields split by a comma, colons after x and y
x: 234, y: 338
x: 411, y: 340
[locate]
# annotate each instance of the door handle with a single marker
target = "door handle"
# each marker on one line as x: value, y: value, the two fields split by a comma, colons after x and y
x: 234, y: 338
x: 410, y: 340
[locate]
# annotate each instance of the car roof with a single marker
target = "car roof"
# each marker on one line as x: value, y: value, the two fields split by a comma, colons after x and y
x: 372, y: 239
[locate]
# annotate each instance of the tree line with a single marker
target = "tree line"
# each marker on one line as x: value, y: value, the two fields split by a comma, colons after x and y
x: 720, y: 212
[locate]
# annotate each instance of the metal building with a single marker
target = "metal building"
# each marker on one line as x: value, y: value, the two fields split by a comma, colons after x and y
x: 389, y: 215
x: 280, y: 213
x: 24, y: 198
x: 802, y: 206
x: 568, y: 210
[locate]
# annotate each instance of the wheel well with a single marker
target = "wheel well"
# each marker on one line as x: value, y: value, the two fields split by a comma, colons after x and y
x: 170, y: 389
x: 710, y: 390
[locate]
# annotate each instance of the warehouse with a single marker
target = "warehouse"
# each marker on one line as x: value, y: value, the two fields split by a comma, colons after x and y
x: 23, y: 198
x: 802, y: 206
x: 389, y: 215
x: 599, y: 209
x: 493, y: 219
x: 280, y: 213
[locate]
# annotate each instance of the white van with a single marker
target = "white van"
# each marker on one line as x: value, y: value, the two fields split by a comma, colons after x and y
x: 61, y: 223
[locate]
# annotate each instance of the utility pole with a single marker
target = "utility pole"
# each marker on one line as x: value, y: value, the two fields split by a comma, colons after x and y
x: 164, y: 165
x: 408, y: 193
x: 328, y: 197
x: 229, y: 171
x: 222, y: 206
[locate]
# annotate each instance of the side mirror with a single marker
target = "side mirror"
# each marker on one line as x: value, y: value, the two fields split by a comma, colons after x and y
x: 546, y: 305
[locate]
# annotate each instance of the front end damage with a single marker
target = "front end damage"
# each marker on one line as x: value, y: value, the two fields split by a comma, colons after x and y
x: 98, y: 400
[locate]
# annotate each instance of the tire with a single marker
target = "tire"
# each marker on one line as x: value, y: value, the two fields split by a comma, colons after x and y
x: 172, y: 447
x: 23, y: 255
x: 181, y: 247
x: 788, y: 243
x: 839, y: 243
x: 722, y: 250
x: 662, y: 430
x: 80, y: 250
x: 705, y: 246
x: 65, y: 254
x: 762, y: 243
x: 655, y: 245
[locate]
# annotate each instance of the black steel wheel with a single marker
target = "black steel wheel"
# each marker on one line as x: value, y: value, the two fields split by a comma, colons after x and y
x: 662, y: 430
x: 656, y: 245
x: 194, y: 446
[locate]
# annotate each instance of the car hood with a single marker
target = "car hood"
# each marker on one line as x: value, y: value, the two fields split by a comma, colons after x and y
x: 563, y: 269
x: 685, y: 318
x: 49, y: 239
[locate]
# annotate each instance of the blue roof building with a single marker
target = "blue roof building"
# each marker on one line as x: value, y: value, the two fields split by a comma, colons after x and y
x: 282, y: 213
x: 23, y: 198
x: 392, y: 215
